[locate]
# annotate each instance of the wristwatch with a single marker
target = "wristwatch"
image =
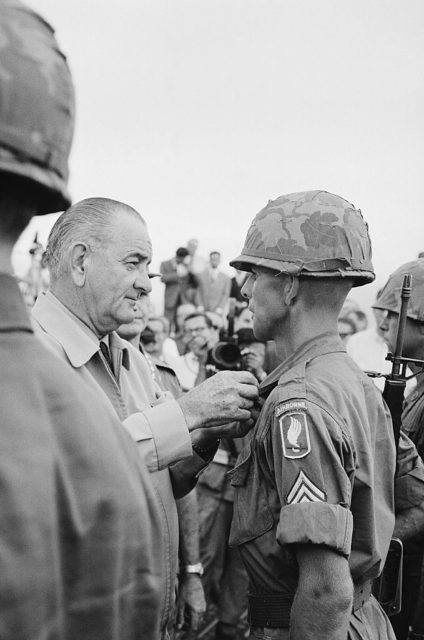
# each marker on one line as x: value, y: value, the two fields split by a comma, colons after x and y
x: 194, y: 568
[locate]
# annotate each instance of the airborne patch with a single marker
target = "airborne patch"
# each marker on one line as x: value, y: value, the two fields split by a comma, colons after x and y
x: 293, y: 405
x: 295, y: 435
x: 304, y: 490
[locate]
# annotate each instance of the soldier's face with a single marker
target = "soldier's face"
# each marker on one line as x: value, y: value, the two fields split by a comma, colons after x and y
x: 264, y: 291
x: 117, y: 275
x: 412, y: 340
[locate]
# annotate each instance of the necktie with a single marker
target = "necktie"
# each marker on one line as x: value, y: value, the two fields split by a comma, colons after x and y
x: 105, y: 351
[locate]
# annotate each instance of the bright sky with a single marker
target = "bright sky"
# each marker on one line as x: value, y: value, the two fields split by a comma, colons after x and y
x: 196, y: 112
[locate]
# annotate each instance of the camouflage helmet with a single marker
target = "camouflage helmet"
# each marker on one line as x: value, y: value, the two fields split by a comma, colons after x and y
x: 36, y: 105
x: 311, y: 233
x: 390, y: 299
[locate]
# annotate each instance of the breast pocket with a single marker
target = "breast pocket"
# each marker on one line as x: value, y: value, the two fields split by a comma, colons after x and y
x: 252, y: 515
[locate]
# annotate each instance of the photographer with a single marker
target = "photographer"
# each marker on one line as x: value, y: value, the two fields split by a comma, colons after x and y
x: 196, y: 365
x: 225, y: 580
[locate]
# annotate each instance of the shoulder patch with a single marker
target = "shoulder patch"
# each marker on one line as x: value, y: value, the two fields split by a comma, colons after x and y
x: 295, y: 434
x: 293, y: 405
x: 304, y: 490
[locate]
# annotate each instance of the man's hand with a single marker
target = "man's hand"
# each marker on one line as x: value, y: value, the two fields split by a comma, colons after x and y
x: 226, y: 397
x: 253, y: 361
x: 199, y: 347
x: 191, y: 601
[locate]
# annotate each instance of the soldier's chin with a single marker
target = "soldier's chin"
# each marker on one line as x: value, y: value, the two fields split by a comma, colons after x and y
x: 258, y: 331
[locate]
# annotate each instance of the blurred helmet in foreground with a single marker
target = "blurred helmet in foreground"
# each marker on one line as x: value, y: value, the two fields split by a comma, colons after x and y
x: 390, y: 298
x: 311, y: 233
x: 37, y: 105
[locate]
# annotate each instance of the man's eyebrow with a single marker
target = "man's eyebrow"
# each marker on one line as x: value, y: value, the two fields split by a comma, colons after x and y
x: 137, y: 254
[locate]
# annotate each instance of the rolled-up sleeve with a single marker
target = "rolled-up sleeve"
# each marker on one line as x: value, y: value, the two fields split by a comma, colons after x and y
x: 161, y: 433
x: 316, y: 523
x: 314, y: 466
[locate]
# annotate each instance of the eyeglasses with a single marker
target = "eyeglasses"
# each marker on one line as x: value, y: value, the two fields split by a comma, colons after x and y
x: 195, y: 329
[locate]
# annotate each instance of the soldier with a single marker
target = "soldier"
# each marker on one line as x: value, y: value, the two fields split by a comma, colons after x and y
x: 79, y: 552
x: 412, y: 424
x: 313, y: 507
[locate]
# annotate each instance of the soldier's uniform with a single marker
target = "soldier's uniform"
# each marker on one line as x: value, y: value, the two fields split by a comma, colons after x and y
x: 79, y: 543
x: 307, y: 475
x: 412, y: 426
x: 320, y: 463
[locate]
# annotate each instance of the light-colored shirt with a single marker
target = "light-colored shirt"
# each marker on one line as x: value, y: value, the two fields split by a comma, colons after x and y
x: 154, y: 420
x: 187, y: 369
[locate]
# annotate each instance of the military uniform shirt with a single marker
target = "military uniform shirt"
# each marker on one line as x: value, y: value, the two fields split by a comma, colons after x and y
x: 318, y: 470
x: 413, y: 416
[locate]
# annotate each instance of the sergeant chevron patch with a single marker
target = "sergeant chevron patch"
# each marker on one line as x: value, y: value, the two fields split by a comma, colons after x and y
x: 304, y: 490
x: 294, y: 435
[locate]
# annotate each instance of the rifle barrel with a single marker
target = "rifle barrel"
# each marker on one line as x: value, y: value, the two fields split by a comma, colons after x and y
x: 405, y: 295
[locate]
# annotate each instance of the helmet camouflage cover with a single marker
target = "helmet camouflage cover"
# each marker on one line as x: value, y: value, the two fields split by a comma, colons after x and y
x: 311, y: 233
x: 390, y: 296
x: 36, y: 104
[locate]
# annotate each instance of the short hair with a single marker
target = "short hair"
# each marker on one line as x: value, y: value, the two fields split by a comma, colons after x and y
x: 86, y: 221
x: 164, y: 322
x: 181, y: 252
x: 214, y: 253
x: 199, y: 314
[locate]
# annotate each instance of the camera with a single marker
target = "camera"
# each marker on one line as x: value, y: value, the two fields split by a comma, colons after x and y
x: 226, y: 354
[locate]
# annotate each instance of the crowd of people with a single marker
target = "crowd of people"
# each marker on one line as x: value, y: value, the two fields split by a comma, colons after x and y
x: 229, y: 455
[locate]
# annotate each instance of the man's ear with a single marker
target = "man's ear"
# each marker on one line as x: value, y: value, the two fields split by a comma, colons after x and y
x: 78, y: 260
x: 291, y: 290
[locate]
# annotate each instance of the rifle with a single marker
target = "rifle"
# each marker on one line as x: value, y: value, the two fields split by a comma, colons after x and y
x: 388, y: 587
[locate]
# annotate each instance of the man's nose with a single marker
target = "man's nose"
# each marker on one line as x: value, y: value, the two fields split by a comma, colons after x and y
x: 142, y: 282
x: 246, y: 290
x: 384, y: 323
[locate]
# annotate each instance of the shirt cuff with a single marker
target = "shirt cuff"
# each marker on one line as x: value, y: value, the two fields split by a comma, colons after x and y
x: 316, y: 523
x: 165, y: 427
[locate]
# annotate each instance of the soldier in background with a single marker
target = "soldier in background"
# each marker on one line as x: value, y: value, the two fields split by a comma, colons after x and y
x: 79, y: 556
x: 412, y: 425
x: 313, y: 508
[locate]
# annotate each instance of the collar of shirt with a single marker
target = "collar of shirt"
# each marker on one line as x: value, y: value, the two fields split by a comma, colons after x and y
x: 317, y: 346
x: 13, y: 313
x: 77, y: 340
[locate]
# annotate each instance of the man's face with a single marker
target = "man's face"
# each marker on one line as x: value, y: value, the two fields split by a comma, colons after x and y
x: 183, y: 311
x: 156, y: 328
x: 117, y: 275
x: 264, y: 291
x: 412, y: 338
x: 130, y: 330
x: 214, y: 260
x: 197, y: 334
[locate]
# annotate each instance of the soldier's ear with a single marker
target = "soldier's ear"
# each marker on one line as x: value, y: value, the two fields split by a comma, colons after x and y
x: 291, y: 290
x: 78, y: 262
